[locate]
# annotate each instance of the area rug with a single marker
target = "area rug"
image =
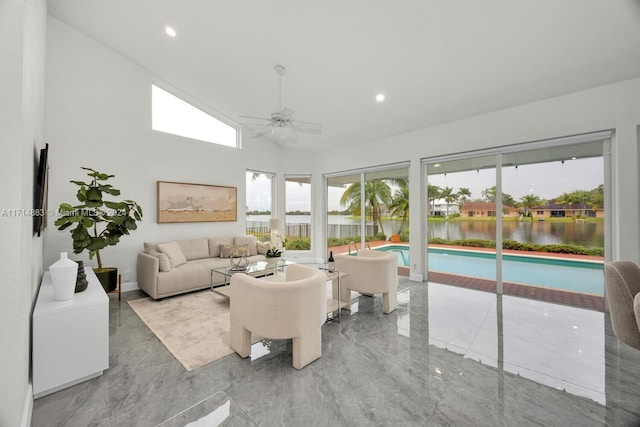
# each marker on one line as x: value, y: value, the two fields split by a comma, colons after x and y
x: 193, y: 327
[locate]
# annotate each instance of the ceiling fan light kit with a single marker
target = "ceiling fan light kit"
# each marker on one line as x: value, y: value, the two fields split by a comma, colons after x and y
x: 281, y: 126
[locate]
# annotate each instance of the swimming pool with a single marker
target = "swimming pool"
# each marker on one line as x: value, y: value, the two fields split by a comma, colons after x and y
x: 570, y: 275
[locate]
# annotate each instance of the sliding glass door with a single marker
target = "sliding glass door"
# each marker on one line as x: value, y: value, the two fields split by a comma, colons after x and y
x: 462, y: 216
x: 368, y: 209
x: 527, y: 222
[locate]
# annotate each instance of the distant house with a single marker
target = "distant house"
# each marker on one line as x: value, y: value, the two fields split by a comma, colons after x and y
x: 556, y: 210
x: 441, y: 207
x: 486, y: 210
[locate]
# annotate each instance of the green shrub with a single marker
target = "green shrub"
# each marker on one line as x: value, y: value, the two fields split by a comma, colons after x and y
x: 518, y: 246
x: 476, y: 243
x: 379, y: 236
x: 299, y: 244
x: 439, y: 241
x: 333, y: 241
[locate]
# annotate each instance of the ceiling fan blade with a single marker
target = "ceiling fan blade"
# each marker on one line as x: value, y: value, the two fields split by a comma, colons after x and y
x: 255, y: 126
x: 255, y: 118
x: 308, y: 127
x: 287, y: 112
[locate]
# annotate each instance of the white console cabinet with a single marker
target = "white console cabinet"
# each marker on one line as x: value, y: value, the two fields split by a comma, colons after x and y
x: 70, y: 338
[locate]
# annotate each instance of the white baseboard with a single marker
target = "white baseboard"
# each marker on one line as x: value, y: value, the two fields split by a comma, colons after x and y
x: 28, y: 407
x: 130, y: 286
x: 415, y: 277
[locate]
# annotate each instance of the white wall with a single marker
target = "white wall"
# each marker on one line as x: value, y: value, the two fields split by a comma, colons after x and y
x: 615, y: 106
x: 99, y: 116
x: 22, y: 49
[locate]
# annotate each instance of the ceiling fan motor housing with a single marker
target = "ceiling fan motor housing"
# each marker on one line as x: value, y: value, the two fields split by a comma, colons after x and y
x: 279, y: 120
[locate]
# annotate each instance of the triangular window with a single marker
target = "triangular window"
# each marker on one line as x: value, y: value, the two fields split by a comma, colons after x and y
x: 171, y: 114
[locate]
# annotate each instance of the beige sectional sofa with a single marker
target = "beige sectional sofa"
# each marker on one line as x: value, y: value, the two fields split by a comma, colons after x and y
x: 171, y: 268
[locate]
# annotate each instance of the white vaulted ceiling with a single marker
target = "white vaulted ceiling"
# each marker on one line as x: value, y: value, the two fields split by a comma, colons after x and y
x: 436, y: 61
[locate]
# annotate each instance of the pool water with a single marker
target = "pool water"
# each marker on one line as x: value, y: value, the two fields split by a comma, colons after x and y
x: 570, y: 275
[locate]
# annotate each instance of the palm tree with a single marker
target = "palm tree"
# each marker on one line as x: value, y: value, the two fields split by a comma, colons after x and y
x: 449, y: 196
x: 581, y: 198
x: 399, y: 205
x: 377, y: 194
x: 489, y: 194
x: 463, y: 195
x: 529, y: 201
x: 565, y: 200
x: 596, y: 197
x: 433, y: 193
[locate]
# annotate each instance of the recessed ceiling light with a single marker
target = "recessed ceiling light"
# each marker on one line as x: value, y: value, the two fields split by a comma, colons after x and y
x: 380, y: 97
x: 573, y: 158
x: 437, y: 165
x: 170, y: 31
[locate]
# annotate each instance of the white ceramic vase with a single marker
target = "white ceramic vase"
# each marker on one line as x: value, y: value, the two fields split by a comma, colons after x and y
x: 64, y: 274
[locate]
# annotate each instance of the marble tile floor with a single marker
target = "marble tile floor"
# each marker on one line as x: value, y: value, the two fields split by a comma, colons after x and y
x: 447, y: 356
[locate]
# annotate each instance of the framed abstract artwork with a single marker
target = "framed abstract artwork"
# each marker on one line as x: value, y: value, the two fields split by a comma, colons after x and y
x: 183, y: 202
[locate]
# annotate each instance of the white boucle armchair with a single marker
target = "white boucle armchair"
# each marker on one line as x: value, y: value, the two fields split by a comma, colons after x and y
x: 295, y: 308
x: 370, y: 272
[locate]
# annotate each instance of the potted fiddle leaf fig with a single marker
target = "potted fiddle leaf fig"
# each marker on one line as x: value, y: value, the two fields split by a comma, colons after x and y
x: 98, y: 222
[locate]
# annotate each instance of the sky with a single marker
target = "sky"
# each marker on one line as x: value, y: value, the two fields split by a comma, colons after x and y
x: 546, y: 181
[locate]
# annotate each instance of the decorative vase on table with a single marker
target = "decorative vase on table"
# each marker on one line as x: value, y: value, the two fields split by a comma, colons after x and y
x: 239, y: 263
x: 64, y: 274
x: 81, y: 279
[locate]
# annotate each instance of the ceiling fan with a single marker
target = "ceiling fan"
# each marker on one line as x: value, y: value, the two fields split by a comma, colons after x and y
x: 281, y: 127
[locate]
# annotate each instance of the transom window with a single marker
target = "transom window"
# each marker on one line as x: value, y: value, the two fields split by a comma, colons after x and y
x: 171, y: 114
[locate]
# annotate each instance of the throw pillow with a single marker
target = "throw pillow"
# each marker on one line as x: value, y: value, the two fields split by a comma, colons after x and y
x: 194, y: 248
x: 148, y: 247
x: 227, y: 251
x: 263, y: 247
x: 250, y: 242
x: 173, y: 251
x: 165, y: 264
x: 215, y: 243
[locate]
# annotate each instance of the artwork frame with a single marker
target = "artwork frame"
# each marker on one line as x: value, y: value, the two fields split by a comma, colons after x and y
x: 182, y: 202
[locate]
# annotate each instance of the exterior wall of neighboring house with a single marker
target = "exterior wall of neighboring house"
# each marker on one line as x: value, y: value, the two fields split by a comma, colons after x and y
x: 440, y: 208
x: 561, y: 211
x: 486, y: 210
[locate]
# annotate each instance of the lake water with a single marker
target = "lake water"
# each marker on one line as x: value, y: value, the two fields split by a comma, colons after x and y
x: 588, y: 234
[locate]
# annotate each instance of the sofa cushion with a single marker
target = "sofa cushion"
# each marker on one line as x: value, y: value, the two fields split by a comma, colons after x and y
x: 250, y: 241
x: 173, y: 251
x: 227, y: 251
x: 263, y: 247
x: 149, y: 247
x: 165, y: 264
x: 214, y: 245
x: 194, y: 248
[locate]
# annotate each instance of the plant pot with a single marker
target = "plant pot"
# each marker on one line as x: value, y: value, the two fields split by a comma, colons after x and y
x: 395, y: 238
x: 108, y: 277
x: 272, y: 262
